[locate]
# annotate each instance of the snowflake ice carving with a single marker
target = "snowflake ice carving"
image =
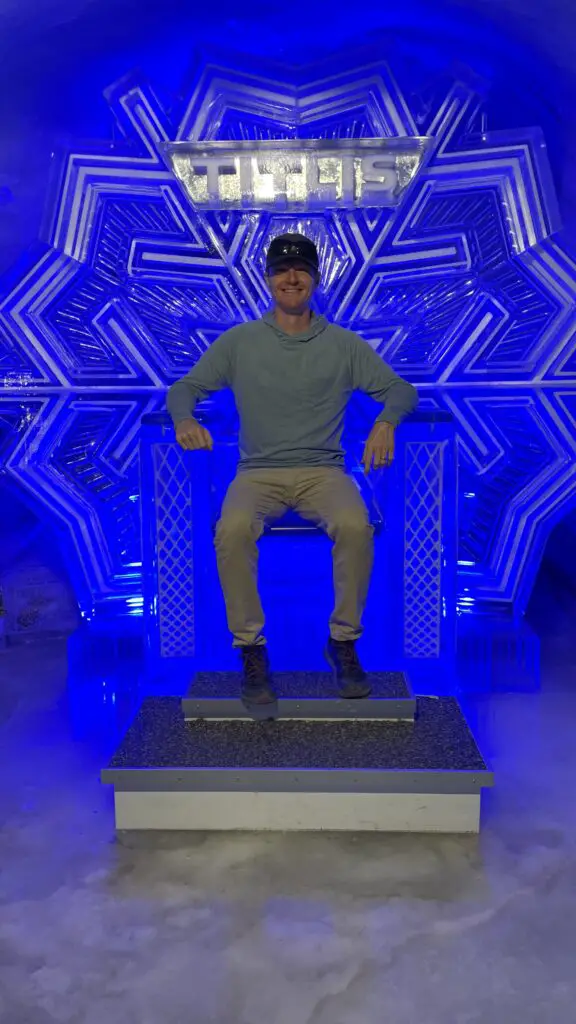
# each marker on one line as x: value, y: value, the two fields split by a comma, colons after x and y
x: 465, y: 288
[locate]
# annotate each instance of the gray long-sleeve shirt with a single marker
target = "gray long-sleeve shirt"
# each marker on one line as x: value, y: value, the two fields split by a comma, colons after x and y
x: 291, y: 391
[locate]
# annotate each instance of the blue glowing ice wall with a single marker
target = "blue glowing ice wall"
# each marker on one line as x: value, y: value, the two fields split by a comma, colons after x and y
x: 464, y: 288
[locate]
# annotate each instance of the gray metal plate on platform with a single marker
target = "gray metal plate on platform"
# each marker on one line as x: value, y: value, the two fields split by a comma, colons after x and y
x: 307, y: 695
x: 435, y: 754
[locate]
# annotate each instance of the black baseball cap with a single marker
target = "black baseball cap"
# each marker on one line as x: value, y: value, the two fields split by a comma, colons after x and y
x: 292, y: 249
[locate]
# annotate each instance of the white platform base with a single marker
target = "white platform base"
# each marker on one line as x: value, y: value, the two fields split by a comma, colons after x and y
x: 293, y: 812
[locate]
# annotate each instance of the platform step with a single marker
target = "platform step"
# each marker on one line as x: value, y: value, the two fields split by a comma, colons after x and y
x: 309, y: 695
x: 387, y: 776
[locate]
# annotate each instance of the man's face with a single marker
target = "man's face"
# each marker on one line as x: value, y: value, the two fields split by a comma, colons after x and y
x: 292, y: 286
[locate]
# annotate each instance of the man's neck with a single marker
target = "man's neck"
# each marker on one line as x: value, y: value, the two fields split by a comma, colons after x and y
x: 292, y: 323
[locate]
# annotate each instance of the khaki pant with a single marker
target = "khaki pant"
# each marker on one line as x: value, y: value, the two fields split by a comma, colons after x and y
x: 326, y: 496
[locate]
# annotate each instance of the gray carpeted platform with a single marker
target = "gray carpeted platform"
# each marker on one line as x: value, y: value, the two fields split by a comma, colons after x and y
x: 436, y: 753
x: 301, y: 695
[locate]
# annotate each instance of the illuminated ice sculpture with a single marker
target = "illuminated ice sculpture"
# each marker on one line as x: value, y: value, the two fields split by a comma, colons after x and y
x: 464, y: 286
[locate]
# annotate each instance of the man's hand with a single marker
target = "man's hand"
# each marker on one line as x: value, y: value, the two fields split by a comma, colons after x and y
x: 379, y: 448
x: 191, y: 436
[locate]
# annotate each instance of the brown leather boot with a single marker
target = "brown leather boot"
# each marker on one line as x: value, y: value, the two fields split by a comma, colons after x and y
x: 350, y: 677
x: 256, y: 677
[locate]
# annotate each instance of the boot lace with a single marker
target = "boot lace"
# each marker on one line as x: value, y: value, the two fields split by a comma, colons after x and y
x: 349, y: 659
x: 254, y: 666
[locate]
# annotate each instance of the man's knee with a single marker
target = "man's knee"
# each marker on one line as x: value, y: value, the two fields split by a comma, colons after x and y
x: 234, y: 527
x: 351, y: 525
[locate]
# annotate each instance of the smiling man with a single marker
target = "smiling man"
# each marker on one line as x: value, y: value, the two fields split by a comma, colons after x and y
x: 292, y: 374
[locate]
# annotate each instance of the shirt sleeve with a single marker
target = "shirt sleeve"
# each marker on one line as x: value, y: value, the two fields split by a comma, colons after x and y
x: 374, y: 377
x: 212, y: 372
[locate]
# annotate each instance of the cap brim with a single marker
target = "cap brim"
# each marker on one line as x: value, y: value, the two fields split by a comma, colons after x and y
x: 291, y: 259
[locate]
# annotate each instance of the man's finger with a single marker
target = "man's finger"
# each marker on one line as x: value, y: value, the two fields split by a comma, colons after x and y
x: 367, y: 458
x: 383, y: 457
x: 197, y: 440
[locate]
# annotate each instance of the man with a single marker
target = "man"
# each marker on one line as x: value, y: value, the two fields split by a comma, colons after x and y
x: 292, y: 374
